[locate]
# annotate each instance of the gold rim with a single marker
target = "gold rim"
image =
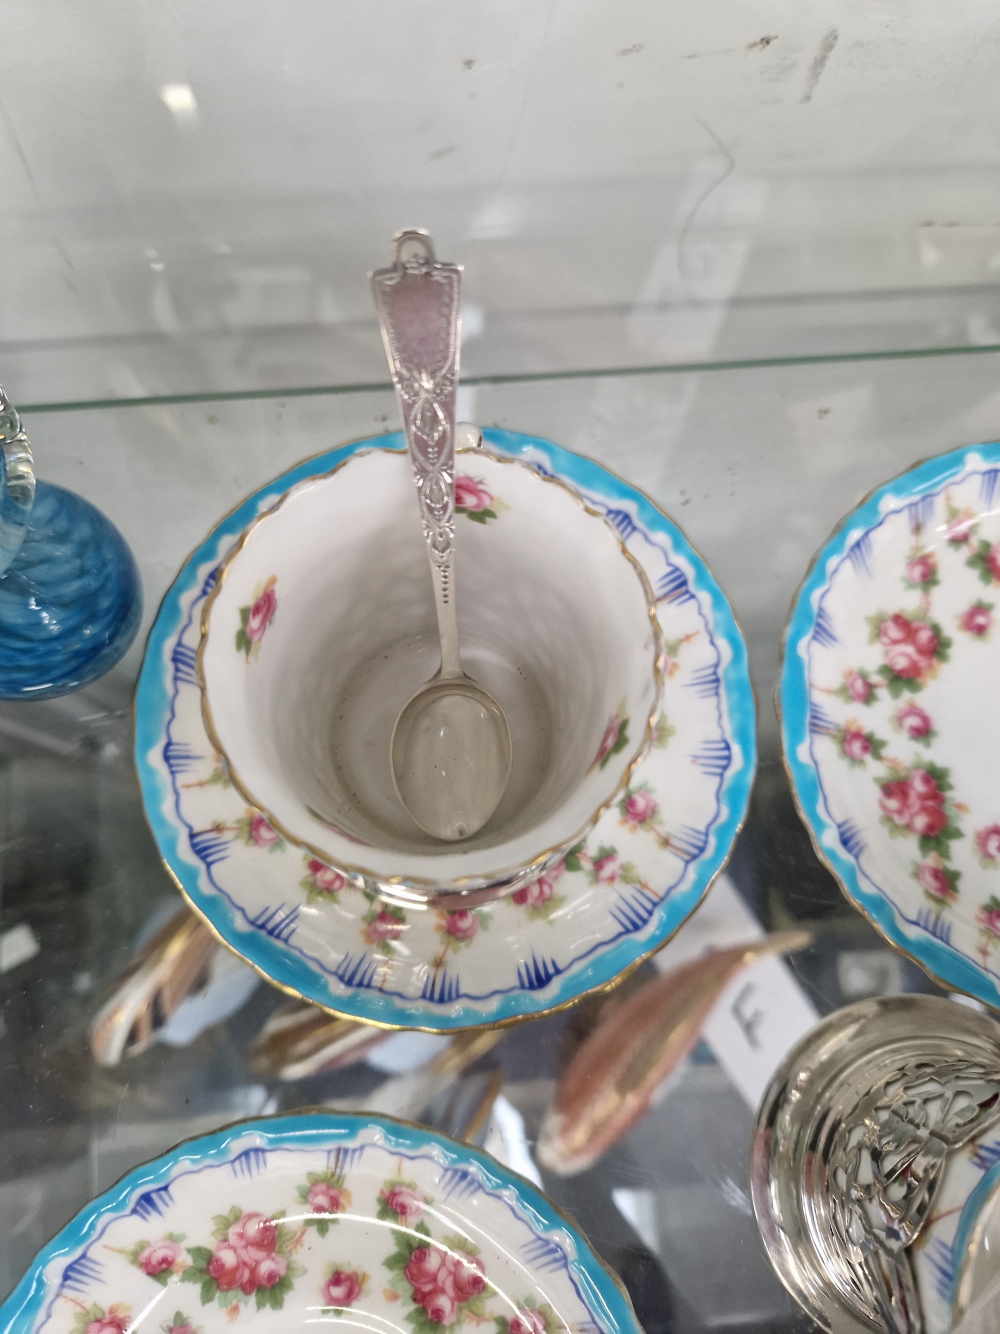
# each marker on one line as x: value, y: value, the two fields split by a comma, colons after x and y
x: 371, y: 1119
x: 824, y: 859
x: 600, y: 988
x: 508, y: 876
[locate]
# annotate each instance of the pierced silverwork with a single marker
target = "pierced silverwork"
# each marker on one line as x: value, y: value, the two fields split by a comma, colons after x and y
x: 885, y: 1167
x: 850, y: 1147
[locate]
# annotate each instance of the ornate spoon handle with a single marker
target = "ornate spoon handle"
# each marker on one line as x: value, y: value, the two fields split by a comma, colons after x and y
x: 417, y: 302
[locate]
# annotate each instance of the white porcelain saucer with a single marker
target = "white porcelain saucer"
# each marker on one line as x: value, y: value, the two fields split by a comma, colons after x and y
x: 361, y: 1222
x: 890, y: 713
x: 968, y: 1190
x: 610, y: 903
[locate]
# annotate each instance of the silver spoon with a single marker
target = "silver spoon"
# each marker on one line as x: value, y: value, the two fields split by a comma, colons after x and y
x: 450, y: 748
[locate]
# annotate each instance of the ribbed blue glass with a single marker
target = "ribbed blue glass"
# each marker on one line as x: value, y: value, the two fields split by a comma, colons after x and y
x: 70, y: 602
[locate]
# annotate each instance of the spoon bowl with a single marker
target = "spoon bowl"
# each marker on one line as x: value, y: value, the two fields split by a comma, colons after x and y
x: 451, y: 756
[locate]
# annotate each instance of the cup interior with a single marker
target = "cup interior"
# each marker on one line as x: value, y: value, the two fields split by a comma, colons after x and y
x: 323, y: 625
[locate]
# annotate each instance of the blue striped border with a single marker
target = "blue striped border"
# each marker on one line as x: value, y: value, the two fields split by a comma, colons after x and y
x: 153, y: 704
x: 939, y: 957
x: 595, y: 1286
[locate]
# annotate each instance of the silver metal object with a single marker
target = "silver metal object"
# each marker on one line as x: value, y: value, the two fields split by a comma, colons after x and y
x: 450, y: 747
x: 17, y: 482
x: 849, y: 1147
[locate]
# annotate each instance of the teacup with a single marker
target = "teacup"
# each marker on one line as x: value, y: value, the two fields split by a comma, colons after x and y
x: 321, y: 624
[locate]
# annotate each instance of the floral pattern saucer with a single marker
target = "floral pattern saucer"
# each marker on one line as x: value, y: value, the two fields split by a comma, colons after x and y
x: 608, y: 904
x: 891, y: 713
x: 942, y: 1251
x: 281, y: 1222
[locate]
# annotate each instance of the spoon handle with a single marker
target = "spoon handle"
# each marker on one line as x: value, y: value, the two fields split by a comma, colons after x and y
x: 417, y: 301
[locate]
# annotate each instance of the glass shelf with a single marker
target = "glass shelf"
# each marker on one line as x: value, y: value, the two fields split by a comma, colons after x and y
x: 746, y: 256
x: 757, y: 464
x: 683, y: 335
x: 663, y: 1207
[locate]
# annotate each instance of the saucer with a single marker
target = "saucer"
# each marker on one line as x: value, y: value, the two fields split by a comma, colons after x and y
x: 608, y: 904
x: 952, y: 1259
x: 290, y: 1220
x: 890, y: 714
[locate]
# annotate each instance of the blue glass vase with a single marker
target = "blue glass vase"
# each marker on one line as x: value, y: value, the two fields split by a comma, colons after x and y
x: 70, y: 595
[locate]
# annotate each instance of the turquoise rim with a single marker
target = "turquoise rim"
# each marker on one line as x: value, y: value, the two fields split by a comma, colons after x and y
x: 967, y: 1220
x: 941, y: 959
x: 597, y: 1286
x: 293, y: 973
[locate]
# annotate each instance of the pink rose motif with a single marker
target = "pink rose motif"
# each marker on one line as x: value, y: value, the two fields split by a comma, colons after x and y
x: 925, y: 641
x: 905, y: 660
x: 422, y: 1269
x: 928, y: 820
x: 270, y: 1270
x: 468, y: 1278
x: 261, y: 614
x: 342, y: 1288
x: 914, y: 721
x: 108, y: 1324
x: 462, y: 924
x: 325, y: 877
x: 383, y: 926
x: 895, y: 801
x: 976, y: 620
x: 895, y: 629
x: 858, y: 687
x: 160, y: 1256
x: 261, y: 833
x: 607, y: 868
x: 924, y: 787
x: 959, y: 530
x: 988, y: 919
x: 921, y: 569
x: 440, y: 1307
x: 471, y: 494
x: 608, y: 739
x: 855, y: 744
x: 535, y: 894
x: 640, y: 807
x: 993, y: 561
x: 446, y: 1279
x: 324, y: 1198
x: 254, y: 1234
x: 933, y: 881
x: 988, y: 842
x: 181, y: 1329
x: 527, y: 1321
x: 404, y: 1203
x: 228, y: 1268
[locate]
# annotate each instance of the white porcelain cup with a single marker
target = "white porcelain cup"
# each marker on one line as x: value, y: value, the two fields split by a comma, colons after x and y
x: 322, y: 624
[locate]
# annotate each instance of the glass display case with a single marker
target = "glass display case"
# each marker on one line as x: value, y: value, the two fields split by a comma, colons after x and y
x: 744, y: 258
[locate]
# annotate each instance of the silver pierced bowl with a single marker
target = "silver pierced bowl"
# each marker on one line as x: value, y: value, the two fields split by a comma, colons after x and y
x: 849, y: 1147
